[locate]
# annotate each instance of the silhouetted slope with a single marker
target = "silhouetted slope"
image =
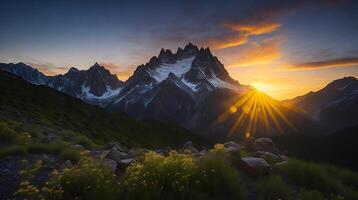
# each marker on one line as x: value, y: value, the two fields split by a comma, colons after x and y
x: 41, y: 107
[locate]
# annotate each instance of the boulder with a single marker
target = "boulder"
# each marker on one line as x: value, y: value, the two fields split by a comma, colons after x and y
x: 66, y: 164
x: 232, y: 145
x: 254, y: 166
x: 48, y: 138
x: 111, y: 164
x: 116, y: 155
x: 189, y: 147
x: 269, y: 157
x: 118, y: 146
x: 265, y: 144
x: 125, y: 163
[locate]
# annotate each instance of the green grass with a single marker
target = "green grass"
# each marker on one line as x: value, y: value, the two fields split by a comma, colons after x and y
x: 325, y: 179
x: 310, y: 195
x: 59, y: 113
x: 273, y: 187
x: 70, y: 154
x: 13, y: 150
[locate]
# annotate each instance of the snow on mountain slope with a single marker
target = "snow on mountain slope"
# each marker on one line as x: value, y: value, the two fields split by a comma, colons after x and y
x: 178, y: 68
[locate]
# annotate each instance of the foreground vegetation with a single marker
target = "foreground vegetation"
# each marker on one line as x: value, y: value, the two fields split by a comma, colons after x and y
x: 186, y: 176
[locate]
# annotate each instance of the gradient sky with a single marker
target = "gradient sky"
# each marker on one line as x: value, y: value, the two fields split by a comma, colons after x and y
x: 285, y: 48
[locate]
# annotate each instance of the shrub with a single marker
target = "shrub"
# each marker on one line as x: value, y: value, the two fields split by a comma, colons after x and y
x: 311, y: 176
x: 55, y: 147
x: 273, y: 187
x: 70, y: 154
x: 13, y: 150
x: 179, y: 176
x: 88, y: 180
x: 310, y: 195
x: 215, y: 178
x: 23, y: 138
x: 85, y: 141
x: 6, y: 133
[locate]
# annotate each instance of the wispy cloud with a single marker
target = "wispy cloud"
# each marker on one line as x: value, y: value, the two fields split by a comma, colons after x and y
x: 262, y: 52
x: 337, y: 62
x: 48, y: 68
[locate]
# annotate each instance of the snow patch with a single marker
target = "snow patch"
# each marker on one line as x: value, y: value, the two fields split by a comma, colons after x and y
x: 179, y: 68
x: 86, y: 94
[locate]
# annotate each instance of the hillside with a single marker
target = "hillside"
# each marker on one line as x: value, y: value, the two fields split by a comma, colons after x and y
x: 41, y: 110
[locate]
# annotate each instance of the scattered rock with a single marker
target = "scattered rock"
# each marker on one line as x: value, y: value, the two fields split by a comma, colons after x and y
x: 231, y: 145
x: 267, y: 156
x: 125, y: 163
x: 116, y: 155
x: 254, y: 166
x: 265, y: 144
x: 66, y: 164
x: 111, y: 164
x: 118, y: 146
x: 189, y: 147
x: 48, y: 138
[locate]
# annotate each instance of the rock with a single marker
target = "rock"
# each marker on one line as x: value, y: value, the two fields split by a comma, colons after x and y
x: 111, y: 164
x: 79, y: 147
x: 66, y: 164
x: 48, y: 138
x: 118, y: 146
x: 265, y: 144
x: 254, y: 166
x: 282, y: 163
x: 189, y: 147
x: 269, y: 157
x: 125, y: 163
x: 116, y: 155
x: 164, y: 152
x: 231, y: 145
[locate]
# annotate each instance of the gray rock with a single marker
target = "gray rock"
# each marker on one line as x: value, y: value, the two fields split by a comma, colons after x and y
x: 116, y: 155
x: 66, y: 164
x: 119, y: 147
x: 265, y: 144
x: 111, y: 164
x: 267, y: 156
x: 125, y: 163
x: 48, y: 138
x: 189, y: 147
x: 254, y: 166
x: 232, y: 145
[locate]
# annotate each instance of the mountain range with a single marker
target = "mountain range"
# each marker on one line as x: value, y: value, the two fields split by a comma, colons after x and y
x: 192, y: 88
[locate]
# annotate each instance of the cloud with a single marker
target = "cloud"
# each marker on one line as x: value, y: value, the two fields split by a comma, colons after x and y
x: 338, y: 62
x: 263, y: 52
x: 48, y: 68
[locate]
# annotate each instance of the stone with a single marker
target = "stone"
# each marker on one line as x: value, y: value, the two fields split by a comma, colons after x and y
x: 125, y: 163
x: 232, y: 145
x: 254, y: 166
x: 111, y: 164
x: 270, y: 157
x: 265, y: 144
x: 66, y: 164
x: 189, y: 147
x: 116, y: 155
x: 48, y: 138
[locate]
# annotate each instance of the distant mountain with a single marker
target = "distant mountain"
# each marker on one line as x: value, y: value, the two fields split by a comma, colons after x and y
x: 334, y: 106
x: 95, y: 85
x: 190, y: 87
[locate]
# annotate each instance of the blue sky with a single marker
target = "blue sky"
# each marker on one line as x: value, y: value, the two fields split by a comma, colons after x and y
x: 272, y: 44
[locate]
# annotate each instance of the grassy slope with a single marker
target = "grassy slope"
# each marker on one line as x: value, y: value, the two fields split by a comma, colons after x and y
x: 42, y: 109
x: 339, y: 148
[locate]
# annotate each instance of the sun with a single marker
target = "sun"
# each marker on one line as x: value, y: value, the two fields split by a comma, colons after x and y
x: 262, y: 87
